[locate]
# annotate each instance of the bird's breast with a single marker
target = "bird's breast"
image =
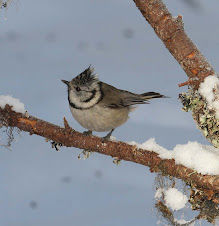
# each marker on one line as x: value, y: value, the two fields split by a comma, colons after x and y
x: 100, y: 118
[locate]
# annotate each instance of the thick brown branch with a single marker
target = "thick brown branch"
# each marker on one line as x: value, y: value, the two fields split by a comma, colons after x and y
x: 70, y: 138
x: 171, y: 31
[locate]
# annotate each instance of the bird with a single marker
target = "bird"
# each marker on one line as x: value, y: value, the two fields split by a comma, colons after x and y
x: 98, y: 106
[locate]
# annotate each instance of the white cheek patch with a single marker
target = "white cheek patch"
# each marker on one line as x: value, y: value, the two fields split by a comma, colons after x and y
x: 79, y: 104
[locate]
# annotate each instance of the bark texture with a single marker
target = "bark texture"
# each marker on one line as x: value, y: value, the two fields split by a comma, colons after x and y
x: 171, y: 31
x: 71, y: 138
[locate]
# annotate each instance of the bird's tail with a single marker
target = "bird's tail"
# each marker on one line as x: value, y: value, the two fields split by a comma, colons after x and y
x: 151, y: 95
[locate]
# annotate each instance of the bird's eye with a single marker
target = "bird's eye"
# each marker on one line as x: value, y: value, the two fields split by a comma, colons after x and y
x: 78, y: 89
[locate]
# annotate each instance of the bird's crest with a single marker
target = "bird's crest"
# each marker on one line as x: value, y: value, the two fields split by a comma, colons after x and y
x: 86, y: 77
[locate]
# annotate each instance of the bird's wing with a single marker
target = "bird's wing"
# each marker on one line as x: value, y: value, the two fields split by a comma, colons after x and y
x: 116, y: 98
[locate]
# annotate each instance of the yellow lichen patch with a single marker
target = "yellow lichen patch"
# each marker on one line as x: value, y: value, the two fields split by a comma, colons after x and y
x: 179, y: 16
x: 194, y: 71
x: 191, y: 55
x: 165, y: 17
x: 32, y: 123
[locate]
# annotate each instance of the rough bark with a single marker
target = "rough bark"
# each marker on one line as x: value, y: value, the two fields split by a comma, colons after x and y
x: 71, y: 138
x: 171, y: 31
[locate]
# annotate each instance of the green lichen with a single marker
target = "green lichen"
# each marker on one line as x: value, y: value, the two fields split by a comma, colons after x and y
x: 86, y: 154
x: 117, y: 161
x: 204, y: 116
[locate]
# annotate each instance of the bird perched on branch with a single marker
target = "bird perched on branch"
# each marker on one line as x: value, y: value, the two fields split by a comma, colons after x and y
x: 98, y: 106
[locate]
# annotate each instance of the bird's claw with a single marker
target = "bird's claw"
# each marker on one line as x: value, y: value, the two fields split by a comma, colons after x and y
x: 87, y: 133
x: 107, y: 137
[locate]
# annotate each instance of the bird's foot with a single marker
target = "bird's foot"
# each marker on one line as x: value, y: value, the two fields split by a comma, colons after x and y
x: 87, y: 133
x: 107, y: 137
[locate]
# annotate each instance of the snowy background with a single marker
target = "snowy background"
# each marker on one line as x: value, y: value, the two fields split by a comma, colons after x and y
x: 42, y: 42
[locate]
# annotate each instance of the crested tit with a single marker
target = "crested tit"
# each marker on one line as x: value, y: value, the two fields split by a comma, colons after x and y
x: 98, y: 106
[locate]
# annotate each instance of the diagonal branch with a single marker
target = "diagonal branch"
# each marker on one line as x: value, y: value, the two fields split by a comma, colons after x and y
x: 171, y: 31
x: 71, y: 138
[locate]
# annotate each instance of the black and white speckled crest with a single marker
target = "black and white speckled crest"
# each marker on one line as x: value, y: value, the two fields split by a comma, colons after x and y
x: 86, y: 77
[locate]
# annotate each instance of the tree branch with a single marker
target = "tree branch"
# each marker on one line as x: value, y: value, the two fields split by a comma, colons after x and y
x: 171, y: 31
x: 71, y: 138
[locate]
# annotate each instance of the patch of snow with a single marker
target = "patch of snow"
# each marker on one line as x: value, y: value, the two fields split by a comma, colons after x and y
x: 151, y: 145
x: 15, y: 103
x: 202, y: 158
x: 133, y: 143
x: 112, y: 138
x: 175, y: 199
x: 209, y: 89
x: 182, y: 221
x: 158, y: 193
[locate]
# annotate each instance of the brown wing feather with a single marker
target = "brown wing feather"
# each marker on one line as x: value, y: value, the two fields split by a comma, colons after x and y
x: 116, y: 98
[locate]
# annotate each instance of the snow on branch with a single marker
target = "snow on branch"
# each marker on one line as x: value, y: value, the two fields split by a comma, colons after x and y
x: 17, y: 106
x: 150, y: 154
x: 203, y: 98
x: 209, y: 89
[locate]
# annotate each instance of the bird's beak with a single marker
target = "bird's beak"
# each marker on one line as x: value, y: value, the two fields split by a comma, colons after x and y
x: 66, y: 82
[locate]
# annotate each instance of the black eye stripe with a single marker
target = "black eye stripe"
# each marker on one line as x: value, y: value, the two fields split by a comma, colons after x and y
x: 91, y: 97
